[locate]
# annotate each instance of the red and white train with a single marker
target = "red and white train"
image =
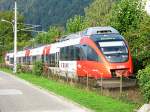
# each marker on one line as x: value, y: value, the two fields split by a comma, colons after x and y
x: 99, y: 52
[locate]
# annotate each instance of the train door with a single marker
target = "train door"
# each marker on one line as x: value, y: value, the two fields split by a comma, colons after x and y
x: 57, y: 59
x: 67, y: 61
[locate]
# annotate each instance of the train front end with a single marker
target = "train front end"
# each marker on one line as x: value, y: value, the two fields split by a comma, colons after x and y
x: 116, y: 55
x: 113, y: 52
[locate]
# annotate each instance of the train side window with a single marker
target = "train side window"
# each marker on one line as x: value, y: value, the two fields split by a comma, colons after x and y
x: 51, y: 59
x: 57, y: 59
x: 46, y: 58
x: 7, y: 58
x: 77, y: 52
x: 11, y: 60
x: 64, y: 53
x: 24, y: 59
x: 42, y: 58
x: 71, y: 53
x: 19, y: 59
x: 28, y: 59
x: 83, y: 54
x: 33, y: 58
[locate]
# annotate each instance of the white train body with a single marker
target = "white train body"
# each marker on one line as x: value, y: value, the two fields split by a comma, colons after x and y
x: 87, y: 53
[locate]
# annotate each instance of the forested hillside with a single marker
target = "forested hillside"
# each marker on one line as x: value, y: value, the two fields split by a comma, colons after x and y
x: 47, y: 12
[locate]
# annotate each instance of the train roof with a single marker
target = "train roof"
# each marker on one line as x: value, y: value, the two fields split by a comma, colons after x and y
x: 71, y: 36
x: 37, y: 51
x: 20, y: 53
x: 90, y: 31
x: 68, y: 40
x: 100, y: 30
x: 10, y: 55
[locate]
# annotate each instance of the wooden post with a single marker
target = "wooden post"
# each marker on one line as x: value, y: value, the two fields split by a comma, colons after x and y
x: 101, y: 84
x: 56, y: 75
x: 66, y: 76
x: 87, y: 80
x: 53, y: 73
x: 48, y: 73
x: 74, y: 76
x: 59, y: 74
x: 71, y: 78
x: 121, y: 84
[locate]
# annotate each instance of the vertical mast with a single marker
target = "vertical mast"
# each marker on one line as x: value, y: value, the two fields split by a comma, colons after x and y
x: 15, y: 38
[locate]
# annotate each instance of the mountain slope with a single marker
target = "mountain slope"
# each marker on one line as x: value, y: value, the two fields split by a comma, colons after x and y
x: 47, y: 12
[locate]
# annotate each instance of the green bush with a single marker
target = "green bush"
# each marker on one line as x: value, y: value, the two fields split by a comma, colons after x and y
x: 137, y: 64
x: 37, y: 68
x: 19, y: 68
x: 26, y: 69
x: 144, y: 82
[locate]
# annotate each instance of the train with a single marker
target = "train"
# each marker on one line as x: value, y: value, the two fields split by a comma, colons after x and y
x: 96, y: 52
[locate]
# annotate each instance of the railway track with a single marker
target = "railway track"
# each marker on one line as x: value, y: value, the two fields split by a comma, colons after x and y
x: 113, y: 83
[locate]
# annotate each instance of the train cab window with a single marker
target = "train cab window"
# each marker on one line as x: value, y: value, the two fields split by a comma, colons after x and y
x: 90, y: 53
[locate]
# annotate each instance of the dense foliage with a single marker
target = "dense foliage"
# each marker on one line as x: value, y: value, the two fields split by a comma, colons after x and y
x: 98, y: 13
x: 144, y: 82
x: 139, y: 42
x: 6, y: 32
x: 47, y: 12
x: 77, y: 23
x: 38, y: 68
x: 131, y: 20
x: 126, y: 15
x: 48, y: 37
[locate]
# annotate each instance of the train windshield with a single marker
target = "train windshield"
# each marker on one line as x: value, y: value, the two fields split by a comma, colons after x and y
x: 113, y: 47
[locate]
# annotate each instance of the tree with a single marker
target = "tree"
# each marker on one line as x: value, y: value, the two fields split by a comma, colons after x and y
x: 77, y: 23
x: 98, y: 12
x: 126, y: 15
x: 6, y: 33
x: 46, y: 38
x: 139, y: 41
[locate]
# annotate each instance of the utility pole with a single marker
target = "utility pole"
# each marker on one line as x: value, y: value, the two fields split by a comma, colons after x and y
x: 15, y: 38
x: 14, y: 25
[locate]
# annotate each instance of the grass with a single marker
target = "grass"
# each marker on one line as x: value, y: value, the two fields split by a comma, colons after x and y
x: 88, y: 99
